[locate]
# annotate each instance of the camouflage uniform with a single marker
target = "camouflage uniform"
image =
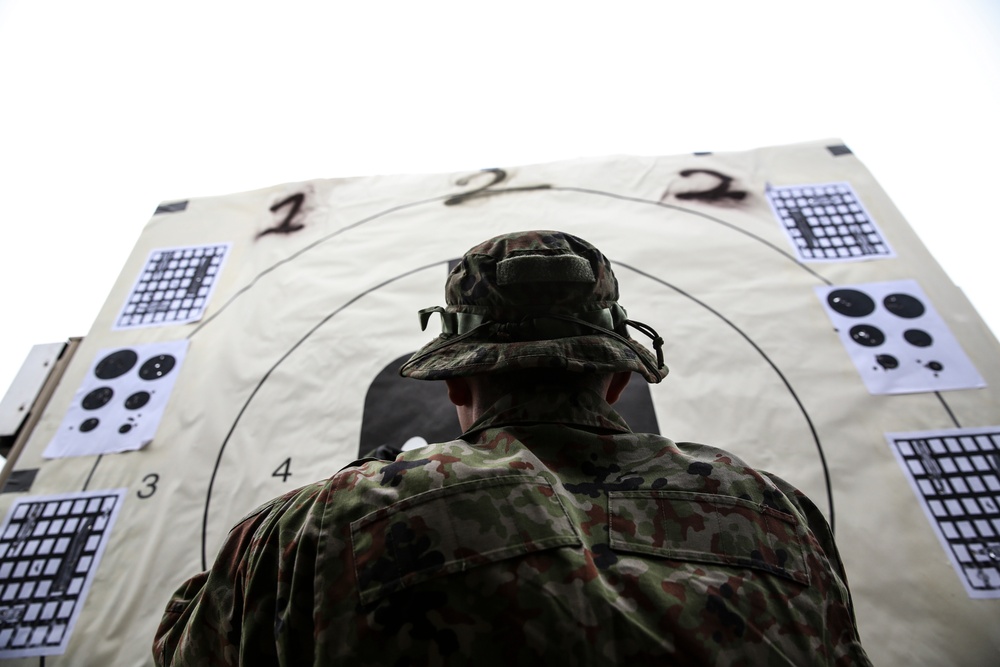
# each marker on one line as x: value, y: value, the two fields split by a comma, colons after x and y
x: 549, y: 532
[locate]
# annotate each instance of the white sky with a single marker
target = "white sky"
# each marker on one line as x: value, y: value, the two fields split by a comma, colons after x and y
x: 109, y: 107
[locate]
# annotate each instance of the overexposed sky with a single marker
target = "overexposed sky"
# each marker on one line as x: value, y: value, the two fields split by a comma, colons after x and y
x: 108, y: 107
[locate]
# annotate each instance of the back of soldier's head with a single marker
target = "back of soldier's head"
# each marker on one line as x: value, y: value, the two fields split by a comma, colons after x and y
x: 543, y: 301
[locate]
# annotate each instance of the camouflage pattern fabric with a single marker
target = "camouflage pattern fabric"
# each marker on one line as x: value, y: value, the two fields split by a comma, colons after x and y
x: 550, y: 532
x: 538, y: 299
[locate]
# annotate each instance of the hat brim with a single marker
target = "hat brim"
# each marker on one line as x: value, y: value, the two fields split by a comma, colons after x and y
x: 591, y: 353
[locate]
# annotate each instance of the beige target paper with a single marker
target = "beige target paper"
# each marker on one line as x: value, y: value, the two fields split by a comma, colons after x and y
x: 289, y: 372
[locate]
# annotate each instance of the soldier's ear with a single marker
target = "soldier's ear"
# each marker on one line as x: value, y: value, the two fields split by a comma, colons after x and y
x: 459, y: 391
x: 617, y: 386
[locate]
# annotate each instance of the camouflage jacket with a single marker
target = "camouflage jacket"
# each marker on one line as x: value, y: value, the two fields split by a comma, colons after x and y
x: 550, y: 532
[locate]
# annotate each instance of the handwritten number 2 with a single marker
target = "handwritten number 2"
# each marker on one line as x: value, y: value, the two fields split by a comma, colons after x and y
x: 287, y: 226
x: 498, y: 176
x: 720, y: 191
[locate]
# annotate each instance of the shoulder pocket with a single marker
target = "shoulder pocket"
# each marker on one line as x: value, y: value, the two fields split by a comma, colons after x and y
x: 707, y: 528
x: 456, y: 528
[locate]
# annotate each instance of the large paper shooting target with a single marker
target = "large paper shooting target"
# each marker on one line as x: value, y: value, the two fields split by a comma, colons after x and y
x: 739, y: 260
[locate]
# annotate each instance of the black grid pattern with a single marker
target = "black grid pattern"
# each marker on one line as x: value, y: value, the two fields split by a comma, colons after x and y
x: 173, y: 287
x: 827, y: 222
x: 48, y: 550
x: 958, y: 478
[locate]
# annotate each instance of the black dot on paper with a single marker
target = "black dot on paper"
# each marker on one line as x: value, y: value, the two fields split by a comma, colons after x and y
x: 137, y: 400
x: 904, y: 305
x: 887, y: 361
x: 157, y: 367
x: 97, y: 398
x: 867, y: 335
x: 918, y: 337
x: 850, y: 302
x: 124, y: 428
x: 89, y: 425
x: 934, y: 366
x: 116, y: 364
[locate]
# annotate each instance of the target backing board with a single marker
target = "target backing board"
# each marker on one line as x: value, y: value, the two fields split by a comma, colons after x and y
x: 290, y: 373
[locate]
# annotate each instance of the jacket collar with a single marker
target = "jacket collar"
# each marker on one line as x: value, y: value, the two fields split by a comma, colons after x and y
x: 550, y: 405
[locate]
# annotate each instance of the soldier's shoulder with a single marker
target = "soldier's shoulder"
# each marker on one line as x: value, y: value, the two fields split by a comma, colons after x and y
x: 298, y: 498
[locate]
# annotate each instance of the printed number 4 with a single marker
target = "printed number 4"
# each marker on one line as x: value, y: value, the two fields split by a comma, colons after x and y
x: 284, y: 471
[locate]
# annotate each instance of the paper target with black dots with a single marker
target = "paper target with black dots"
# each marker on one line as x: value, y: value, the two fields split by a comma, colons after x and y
x: 896, y: 339
x: 291, y: 372
x: 120, y: 403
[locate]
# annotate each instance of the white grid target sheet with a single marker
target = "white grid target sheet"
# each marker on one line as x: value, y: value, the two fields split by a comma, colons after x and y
x: 956, y: 475
x: 50, y: 547
x: 826, y: 222
x: 174, y: 286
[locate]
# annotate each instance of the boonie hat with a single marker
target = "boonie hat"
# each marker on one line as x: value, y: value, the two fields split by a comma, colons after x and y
x: 536, y: 299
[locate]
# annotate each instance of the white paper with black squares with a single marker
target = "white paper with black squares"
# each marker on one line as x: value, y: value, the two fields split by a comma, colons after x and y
x: 50, y: 547
x: 956, y: 476
x: 174, y: 286
x: 826, y: 222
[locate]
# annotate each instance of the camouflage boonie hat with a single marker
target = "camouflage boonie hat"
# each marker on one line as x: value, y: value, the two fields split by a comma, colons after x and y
x: 538, y: 299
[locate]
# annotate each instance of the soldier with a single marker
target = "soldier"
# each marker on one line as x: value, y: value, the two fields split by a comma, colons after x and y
x: 547, y: 531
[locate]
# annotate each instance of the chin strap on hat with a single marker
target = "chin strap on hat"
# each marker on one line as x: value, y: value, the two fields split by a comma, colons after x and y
x: 647, y: 330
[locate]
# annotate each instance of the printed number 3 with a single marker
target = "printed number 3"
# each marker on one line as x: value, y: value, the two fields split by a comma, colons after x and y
x: 150, y: 481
